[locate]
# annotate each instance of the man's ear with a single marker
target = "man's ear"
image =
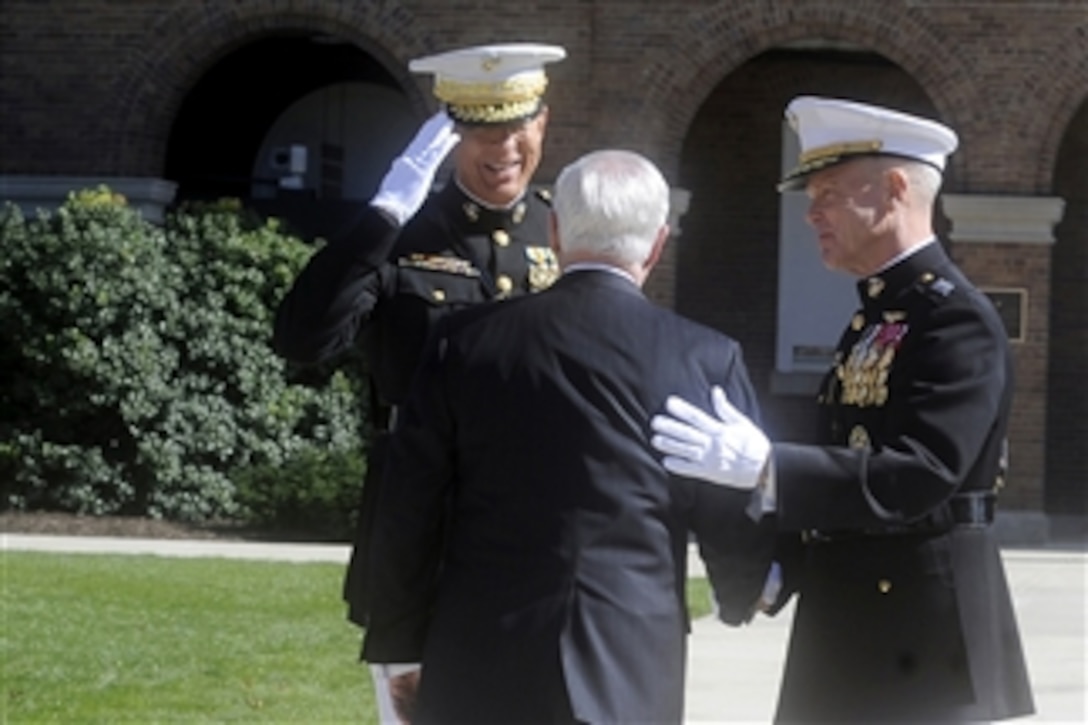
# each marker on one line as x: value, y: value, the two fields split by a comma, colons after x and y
x: 656, y: 250
x: 898, y: 183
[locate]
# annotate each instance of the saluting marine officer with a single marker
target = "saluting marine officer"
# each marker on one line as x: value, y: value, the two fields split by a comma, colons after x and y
x: 415, y: 258
x: 903, y: 611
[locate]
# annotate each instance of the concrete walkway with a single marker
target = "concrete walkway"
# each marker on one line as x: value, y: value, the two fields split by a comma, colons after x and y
x: 733, y: 673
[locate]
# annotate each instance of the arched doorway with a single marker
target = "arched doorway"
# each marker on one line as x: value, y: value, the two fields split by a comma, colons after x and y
x: 1066, y: 489
x: 299, y: 125
x: 729, y: 259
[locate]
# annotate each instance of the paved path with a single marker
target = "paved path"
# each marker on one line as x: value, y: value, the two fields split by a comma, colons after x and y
x: 733, y: 673
x: 174, y: 547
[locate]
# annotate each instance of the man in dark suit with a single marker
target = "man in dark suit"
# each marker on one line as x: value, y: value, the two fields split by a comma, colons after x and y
x: 903, y: 610
x: 414, y: 257
x: 556, y: 594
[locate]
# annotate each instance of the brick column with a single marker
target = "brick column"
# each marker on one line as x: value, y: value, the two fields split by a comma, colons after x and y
x: 1003, y: 244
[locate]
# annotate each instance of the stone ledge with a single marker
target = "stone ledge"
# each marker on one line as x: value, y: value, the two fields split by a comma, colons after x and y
x: 148, y: 195
x: 983, y: 218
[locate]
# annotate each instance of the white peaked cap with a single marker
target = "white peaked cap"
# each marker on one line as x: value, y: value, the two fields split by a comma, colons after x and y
x: 832, y: 131
x: 490, y: 83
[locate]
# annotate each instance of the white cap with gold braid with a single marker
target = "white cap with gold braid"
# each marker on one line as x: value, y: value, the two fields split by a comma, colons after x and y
x: 490, y: 84
x: 832, y: 131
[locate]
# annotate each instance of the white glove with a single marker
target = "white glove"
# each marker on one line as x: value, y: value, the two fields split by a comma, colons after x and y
x: 409, y: 178
x: 729, y: 450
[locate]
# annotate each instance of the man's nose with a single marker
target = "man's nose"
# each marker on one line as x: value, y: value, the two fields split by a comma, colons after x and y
x: 504, y: 137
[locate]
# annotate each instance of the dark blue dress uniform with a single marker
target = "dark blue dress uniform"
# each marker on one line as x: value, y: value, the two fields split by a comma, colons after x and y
x: 904, y: 612
x: 384, y: 289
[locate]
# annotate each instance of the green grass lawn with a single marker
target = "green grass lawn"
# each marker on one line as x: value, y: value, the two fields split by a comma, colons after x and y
x: 107, y: 639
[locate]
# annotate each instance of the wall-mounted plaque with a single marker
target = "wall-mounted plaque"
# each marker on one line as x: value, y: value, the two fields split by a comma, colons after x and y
x: 1012, y: 306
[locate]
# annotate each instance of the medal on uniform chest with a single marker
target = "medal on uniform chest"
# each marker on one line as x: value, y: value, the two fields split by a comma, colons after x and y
x: 864, y: 375
x: 543, y: 267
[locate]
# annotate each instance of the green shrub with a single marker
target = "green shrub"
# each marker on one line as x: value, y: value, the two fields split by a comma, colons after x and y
x: 307, y: 495
x: 138, y: 375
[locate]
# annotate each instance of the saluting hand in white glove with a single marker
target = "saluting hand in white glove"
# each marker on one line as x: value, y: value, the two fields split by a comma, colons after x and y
x: 409, y: 178
x: 728, y: 450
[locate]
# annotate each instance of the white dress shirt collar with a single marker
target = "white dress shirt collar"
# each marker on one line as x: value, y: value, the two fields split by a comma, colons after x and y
x: 600, y: 267
x: 903, y: 255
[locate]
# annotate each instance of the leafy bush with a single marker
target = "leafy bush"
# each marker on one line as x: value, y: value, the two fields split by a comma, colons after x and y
x: 138, y: 378
x: 307, y: 495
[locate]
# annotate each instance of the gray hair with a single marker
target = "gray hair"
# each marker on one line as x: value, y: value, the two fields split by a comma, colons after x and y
x: 611, y: 204
x: 925, y: 181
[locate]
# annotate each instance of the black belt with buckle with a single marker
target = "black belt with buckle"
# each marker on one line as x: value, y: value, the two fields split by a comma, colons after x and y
x: 973, y: 508
x: 968, y: 509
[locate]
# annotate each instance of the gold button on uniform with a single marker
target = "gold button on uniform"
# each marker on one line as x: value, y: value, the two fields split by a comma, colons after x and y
x: 884, y: 586
x: 500, y: 237
x: 859, y: 438
x: 438, y: 295
x: 505, y: 284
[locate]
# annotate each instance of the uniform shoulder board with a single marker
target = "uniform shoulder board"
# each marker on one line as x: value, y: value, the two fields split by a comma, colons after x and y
x: 545, y: 195
x: 935, y: 287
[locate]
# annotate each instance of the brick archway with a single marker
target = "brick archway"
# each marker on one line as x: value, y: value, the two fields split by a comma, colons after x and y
x: 718, y: 40
x: 186, y: 43
x: 1061, y: 93
x: 1067, y: 401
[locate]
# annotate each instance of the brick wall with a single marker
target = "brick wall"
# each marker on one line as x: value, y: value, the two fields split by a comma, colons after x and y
x: 1026, y: 267
x: 93, y: 87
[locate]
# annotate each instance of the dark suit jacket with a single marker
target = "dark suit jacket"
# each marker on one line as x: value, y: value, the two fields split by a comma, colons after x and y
x: 904, y: 612
x: 560, y: 593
